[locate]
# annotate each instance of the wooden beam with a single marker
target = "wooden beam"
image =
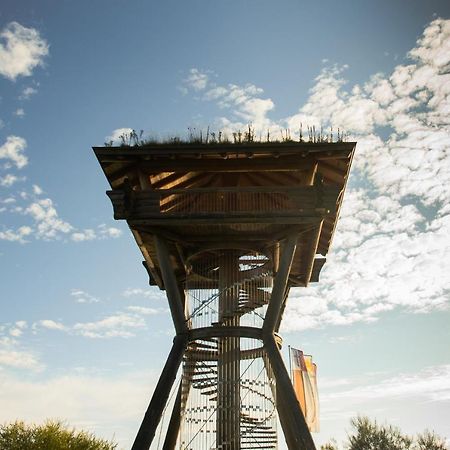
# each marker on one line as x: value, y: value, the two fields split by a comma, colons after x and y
x: 311, y: 254
x: 224, y: 331
x: 210, y: 219
x: 280, y: 284
x: 253, y: 150
x: 285, y: 163
x: 159, y: 399
x: 174, y: 425
x: 148, y: 259
x: 176, y: 303
x: 283, y: 411
x: 299, y: 436
x: 283, y: 307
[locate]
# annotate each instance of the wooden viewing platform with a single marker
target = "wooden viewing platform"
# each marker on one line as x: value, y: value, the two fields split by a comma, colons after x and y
x: 202, y: 194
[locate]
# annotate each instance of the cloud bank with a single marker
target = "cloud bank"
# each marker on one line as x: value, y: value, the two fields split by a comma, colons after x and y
x: 392, y: 245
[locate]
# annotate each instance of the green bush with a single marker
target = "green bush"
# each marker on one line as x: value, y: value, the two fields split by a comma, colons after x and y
x: 52, y: 435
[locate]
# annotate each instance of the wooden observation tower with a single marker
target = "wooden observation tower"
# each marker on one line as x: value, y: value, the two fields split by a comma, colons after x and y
x: 226, y: 230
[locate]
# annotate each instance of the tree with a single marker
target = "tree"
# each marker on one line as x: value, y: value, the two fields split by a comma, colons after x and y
x: 371, y: 436
x: 332, y: 445
x: 430, y: 441
x: 52, y: 435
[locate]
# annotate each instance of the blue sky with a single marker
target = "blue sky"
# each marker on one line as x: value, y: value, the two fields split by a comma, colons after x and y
x: 82, y: 336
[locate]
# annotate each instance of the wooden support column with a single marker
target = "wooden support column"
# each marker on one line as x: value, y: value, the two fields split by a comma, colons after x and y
x: 298, y: 437
x: 283, y: 307
x: 280, y: 284
x: 281, y: 409
x: 228, y: 362
x: 159, y: 399
x: 292, y: 420
x: 176, y: 303
x: 174, y: 425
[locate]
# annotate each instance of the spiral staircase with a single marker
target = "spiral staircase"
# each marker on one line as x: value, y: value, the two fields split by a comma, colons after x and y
x: 241, y: 299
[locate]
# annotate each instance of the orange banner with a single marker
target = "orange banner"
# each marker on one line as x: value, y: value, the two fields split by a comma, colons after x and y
x: 304, y: 380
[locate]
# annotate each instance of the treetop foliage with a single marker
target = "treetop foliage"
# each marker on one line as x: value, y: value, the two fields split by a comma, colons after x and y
x: 368, y: 435
x: 52, y: 435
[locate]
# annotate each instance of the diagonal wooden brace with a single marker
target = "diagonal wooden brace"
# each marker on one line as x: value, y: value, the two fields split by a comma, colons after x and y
x: 295, y: 429
x: 159, y: 399
x: 292, y: 420
x: 174, y: 425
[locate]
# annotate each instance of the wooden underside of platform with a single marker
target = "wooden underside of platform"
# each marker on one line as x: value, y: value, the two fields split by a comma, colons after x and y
x: 252, y: 196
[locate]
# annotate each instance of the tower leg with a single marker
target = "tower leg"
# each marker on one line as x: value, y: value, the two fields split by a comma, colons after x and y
x: 174, y: 425
x: 155, y: 409
x: 299, y: 436
x: 281, y: 409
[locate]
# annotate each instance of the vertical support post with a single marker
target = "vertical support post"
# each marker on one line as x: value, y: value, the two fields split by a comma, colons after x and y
x: 155, y: 409
x: 176, y: 303
x: 174, y: 425
x: 228, y: 363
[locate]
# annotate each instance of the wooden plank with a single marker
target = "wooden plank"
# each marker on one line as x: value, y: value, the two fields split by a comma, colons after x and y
x: 252, y: 150
x: 285, y: 163
x: 304, y: 218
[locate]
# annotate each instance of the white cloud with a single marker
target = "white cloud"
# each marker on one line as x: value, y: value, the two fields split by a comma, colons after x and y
x: 385, y: 398
x: 27, y: 92
x: 37, y: 190
x: 85, y: 235
x: 391, y: 248
x: 83, y: 297
x: 244, y: 102
x: 151, y: 293
x: 103, y: 232
x: 117, y: 325
x: 23, y: 49
x: 432, y: 383
x: 108, y: 232
x: 50, y: 325
x: 19, y: 359
x: 18, y: 235
x: 18, y: 329
x: 109, y: 407
x: 117, y: 133
x: 388, y: 252
x: 197, y: 79
x: 48, y: 224
x: 13, y: 151
x: 145, y: 311
x: 22, y: 324
x: 9, y: 179
x: 19, y: 112
x: 12, y: 355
